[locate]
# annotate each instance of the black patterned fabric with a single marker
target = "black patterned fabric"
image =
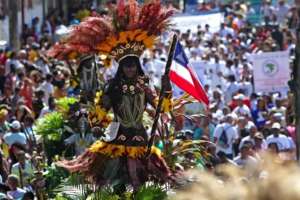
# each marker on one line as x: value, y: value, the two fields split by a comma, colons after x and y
x: 128, y: 136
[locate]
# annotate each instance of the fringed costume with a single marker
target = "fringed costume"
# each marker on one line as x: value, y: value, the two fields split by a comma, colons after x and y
x: 123, y: 36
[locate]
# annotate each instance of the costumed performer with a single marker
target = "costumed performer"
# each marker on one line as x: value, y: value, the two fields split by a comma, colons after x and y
x: 123, y: 37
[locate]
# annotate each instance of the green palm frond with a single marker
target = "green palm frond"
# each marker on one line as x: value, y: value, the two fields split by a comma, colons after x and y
x: 79, y: 186
x: 75, y: 187
x: 194, y: 147
x: 150, y: 193
x: 111, y: 168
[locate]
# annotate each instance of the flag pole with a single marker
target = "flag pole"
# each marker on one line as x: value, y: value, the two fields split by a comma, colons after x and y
x: 161, y: 95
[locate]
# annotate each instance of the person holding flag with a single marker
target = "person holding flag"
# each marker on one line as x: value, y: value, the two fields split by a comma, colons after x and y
x: 125, y: 138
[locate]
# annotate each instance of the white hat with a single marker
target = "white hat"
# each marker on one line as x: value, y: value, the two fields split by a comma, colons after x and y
x: 23, y: 52
x: 276, y: 126
x: 239, y: 97
x: 218, y: 90
x: 16, y: 125
x: 278, y: 116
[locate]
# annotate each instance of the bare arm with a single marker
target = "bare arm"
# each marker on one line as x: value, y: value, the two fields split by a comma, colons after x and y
x: 215, y: 140
x: 235, y: 141
x: 28, y: 110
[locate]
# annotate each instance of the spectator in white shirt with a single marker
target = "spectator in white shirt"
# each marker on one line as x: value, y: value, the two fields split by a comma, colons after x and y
x: 15, y: 135
x: 229, y: 69
x: 48, y: 88
x: 250, y: 10
x: 13, y: 183
x: 245, y: 54
x: 197, y: 48
x: 282, y: 110
x: 277, y: 117
x: 11, y: 61
x: 291, y: 142
x: 246, y: 86
x: 282, y: 12
x: 231, y: 88
x: 290, y: 44
x: 252, y: 133
x: 267, y: 9
x: 242, y: 109
x: 224, y: 160
x: 240, y: 19
x: 224, y: 136
x: 194, y: 55
x: 48, y: 109
x: 281, y: 140
x: 224, y: 30
x: 208, y: 91
x: 230, y: 29
x: 246, y: 161
x: 217, y: 98
x: 237, y: 67
x: 215, y: 69
x: 253, y: 101
x: 207, y: 34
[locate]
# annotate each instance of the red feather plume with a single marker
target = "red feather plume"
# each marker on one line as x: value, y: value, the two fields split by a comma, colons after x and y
x: 57, y: 51
x: 134, y: 15
x: 126, y: 15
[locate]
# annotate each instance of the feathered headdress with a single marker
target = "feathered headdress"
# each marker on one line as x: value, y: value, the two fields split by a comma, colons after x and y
x: 62, y: 52
x: 129, y: 30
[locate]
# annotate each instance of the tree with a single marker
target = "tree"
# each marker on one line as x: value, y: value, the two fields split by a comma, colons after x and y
x: 13, y: 24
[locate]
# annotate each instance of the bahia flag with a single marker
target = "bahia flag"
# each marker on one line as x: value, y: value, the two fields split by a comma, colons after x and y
x: 184, y: 76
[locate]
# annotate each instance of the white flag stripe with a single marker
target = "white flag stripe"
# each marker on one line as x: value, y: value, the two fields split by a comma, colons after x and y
x: 182, y: 71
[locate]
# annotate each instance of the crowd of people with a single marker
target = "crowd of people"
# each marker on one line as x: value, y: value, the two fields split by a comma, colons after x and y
x: 241, y: 123
x: 245, y: 122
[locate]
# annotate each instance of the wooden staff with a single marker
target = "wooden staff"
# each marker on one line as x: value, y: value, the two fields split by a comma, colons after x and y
x: 161, y: 95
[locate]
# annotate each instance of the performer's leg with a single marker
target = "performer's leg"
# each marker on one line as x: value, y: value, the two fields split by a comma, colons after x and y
x: 132, y: 169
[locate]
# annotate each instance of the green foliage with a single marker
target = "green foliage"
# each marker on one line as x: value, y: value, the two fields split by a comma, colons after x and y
x: 64, y: 103
x: 78, y: 187
x: 53, y: 176
x: 74, y: 187
x: 60, y: 198
x: 150, y: 193
x: 51, y: 127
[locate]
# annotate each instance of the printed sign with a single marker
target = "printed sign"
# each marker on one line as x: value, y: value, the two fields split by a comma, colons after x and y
x: 271, y: 71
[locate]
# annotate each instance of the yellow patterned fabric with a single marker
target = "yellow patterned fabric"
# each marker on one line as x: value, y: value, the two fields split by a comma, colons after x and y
x: 99, y: 117
x: 115, y: 151
x: 167, y: 105
x: 2, y: 111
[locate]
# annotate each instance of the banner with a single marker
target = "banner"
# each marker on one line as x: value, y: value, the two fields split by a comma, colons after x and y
x: 271, y: 71
x: 184, y: 23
